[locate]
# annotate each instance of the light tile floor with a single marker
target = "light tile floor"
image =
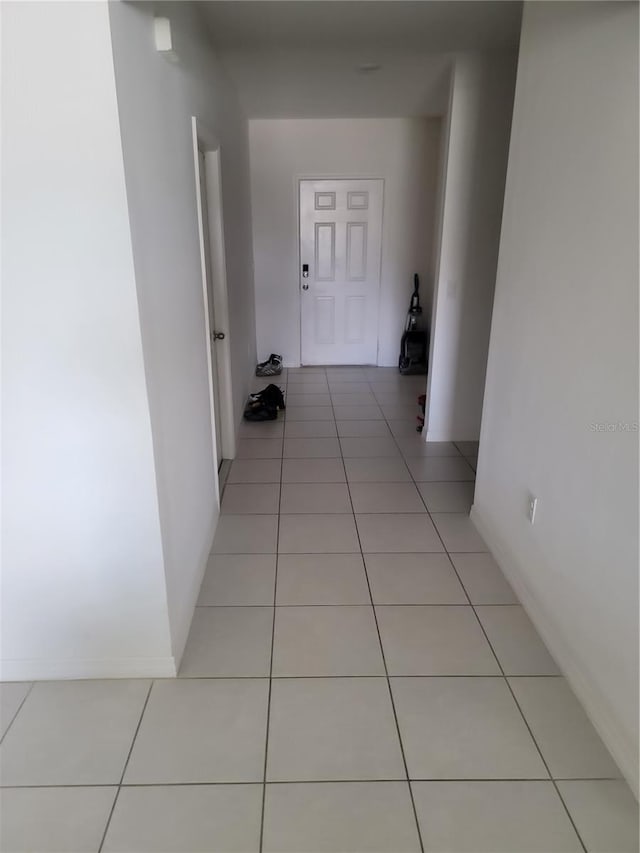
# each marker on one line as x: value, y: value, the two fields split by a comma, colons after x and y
x: 359, y: 675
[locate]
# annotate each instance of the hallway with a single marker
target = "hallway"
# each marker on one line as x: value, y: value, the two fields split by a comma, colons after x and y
x: 395, y: 698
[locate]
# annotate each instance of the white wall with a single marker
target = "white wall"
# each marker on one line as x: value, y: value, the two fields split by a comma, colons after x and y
x: 83, y: 590
x: 564, y: 356
x: 473, y: 174
x: 156, y: 100
x: 402, y: 151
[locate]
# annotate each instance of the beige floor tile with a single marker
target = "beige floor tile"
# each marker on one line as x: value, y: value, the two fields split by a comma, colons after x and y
x: 321, y: 579
x: 12, y: 695
x: 356, y: 398
x: 434, y: 640
x: 468, y: 448
x: 493, y: 817
x: 405, y: 427
x: 238, y: 579
x: 332, y: 729
x: 377, y: 471
x: 515, y: 641
x: 371, y: 447
x: 310, y: 413
x: 246, y: 534
x: 340, y: 387
x: 251, y: 498
x: 229, y: 642
x: 482, y: 579
x: 605, y: 813
x: 255, y: 471
x: 413, y: 579
x: 310, y: 429
x: 397, y: 533
x: 447, y: 497
x: 304, y: 398
x: 318, y: 534
x: 315, y: 498
x: 569, y: 743
x: 185, y: 819
x: 336, y: 817
x: 54, y: 820
x: 326, y: 641
x: 446, y: 469
x: 415, y: 446
x: 362, y: 429
x: 458, y: 532
x: 262, y: 429
x: 398, y: 411
x: 365, y: 412
x: 464, y: 728
x: 73, y: 733
x: 385, y: 497
x: 313, y: 471
x: 201, y: 730
x: 311, y: 448
x: 259, y: 448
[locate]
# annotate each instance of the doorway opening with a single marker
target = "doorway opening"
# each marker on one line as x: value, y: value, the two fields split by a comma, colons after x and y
x: 206, y: 149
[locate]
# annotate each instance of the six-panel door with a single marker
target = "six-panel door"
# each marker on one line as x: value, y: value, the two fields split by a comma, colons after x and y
x: 340, y: 240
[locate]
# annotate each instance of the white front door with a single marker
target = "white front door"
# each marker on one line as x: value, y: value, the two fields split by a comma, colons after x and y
x: 340, y: 242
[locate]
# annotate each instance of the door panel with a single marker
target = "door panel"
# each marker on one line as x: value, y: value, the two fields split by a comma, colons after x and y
x: 340, y: 240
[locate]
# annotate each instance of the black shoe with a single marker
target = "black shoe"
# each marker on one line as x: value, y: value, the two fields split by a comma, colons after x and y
x: 271, y: 396
x: 260, y: 412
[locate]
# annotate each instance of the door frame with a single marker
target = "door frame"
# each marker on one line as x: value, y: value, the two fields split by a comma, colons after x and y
x: 333, y: 177
x: 207, y: 142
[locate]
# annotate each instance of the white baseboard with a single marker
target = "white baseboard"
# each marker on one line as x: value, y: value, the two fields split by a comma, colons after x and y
x: 60, y: 670
x: 618, y: 741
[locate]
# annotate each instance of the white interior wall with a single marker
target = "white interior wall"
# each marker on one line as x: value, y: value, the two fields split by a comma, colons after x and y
x: 473, y: 174
x: 564, y: 357
x: 404, y: 152
x: 83, y: 590
x: 156, y: 100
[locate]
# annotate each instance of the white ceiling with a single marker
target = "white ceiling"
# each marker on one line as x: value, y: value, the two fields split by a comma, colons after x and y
x: 300, y: 58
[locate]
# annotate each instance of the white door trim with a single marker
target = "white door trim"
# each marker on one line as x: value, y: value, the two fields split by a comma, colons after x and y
x: 207, y: 142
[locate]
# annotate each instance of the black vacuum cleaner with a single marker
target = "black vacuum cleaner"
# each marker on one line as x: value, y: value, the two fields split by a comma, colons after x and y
x: 414, y: 346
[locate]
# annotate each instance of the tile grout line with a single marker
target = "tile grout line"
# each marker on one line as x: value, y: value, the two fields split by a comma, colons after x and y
x: 318, y: 781
x: 124, y: 769
x: 13, y: 719
x: 273, y: 625
x: 386, y: 671
x: 505, y: 679
x: 504, y: 676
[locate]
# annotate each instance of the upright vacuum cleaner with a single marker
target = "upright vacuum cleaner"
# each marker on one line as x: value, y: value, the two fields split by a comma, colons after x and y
x: 414, y: 346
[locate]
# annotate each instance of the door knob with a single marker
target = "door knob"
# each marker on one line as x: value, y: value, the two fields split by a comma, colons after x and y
x: 217, y: 336
x: 305, y: 286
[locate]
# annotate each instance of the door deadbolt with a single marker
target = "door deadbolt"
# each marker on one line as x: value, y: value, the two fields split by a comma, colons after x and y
x: 305, y: 270
x: 217, y: 336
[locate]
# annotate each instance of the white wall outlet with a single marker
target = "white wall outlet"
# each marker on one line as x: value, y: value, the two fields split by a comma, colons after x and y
x: 533, y: 506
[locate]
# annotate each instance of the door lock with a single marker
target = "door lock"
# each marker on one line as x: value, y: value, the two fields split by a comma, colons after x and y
x: 217, y: 336
x: 305, y: 286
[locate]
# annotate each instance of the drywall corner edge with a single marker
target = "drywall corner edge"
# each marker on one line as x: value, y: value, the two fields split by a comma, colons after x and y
x: 619, y: 743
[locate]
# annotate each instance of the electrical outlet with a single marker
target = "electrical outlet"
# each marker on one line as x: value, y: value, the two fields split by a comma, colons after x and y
x: 533, y: 506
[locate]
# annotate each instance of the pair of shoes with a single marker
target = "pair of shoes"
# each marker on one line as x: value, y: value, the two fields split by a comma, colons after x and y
x: 271, y: 396
x: 264, y: 405
x: 271, y: 367
x: 260, y: 412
